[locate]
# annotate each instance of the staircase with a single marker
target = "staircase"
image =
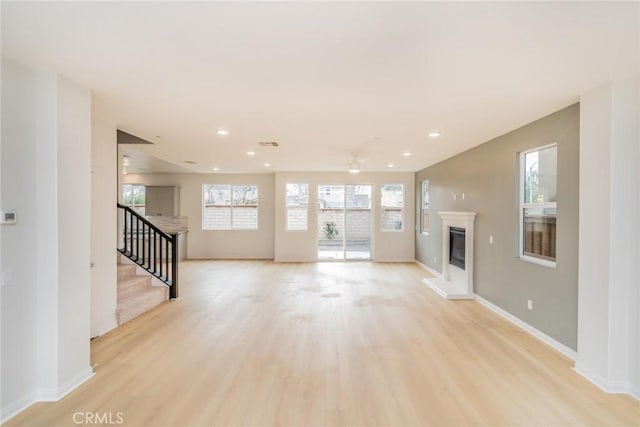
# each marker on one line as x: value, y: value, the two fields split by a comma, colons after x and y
x: 136, y: 293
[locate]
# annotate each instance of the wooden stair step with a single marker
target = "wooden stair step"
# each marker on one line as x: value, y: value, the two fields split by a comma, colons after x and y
x: 133, y: 285
x: 141, y: 302
x: 126, y: 271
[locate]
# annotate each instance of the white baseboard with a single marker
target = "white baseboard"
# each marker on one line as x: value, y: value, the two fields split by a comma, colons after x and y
x: 621, y: 387
x: 110, y: 327
x: 17, y: 406
x: 571, y: 354
x: 45, y: 395
x: 427, y: 268
x: 75, y: 382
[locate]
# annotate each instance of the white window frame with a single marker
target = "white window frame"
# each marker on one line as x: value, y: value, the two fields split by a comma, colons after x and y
x: 287, y: 206
x: 522, y: 206
x: 232, y: 228
x: 382, y: 209
x: 422, y: 206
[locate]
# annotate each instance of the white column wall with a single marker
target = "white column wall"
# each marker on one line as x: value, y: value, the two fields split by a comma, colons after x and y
x: 608, y: 330
x: 45, y: 174
x: 74, y: 233
x: 104, y: 196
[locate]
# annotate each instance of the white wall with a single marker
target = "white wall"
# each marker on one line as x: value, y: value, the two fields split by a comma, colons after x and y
x: 74, y: 231
x: 103, y: 226
x: 280, y: 244
x: 608, y: 329
x: 301, y: 246
x: 21, y: 99
x: 248, y: 244
x: 46, y: 131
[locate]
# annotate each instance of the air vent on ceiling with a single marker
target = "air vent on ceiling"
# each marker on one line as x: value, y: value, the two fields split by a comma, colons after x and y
x: 191, y: 162
x: 268, y: 143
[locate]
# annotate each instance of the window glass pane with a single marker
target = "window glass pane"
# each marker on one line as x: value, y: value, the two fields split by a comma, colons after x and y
x: 296, y: 218
x: 425, y: 194
x: 539, y: 233
x: 358, y: 197
x: 138, y: 194
x: 127, y: 194
x: 297, y: 201
x: 392, y: 195
x: 133, y: 195
x: 245, y: 195
x: 245, y: 210
x: 217, y: 207
x: 331, y: 196
x: 297, y: 195
x: 216, y: 194
x: 540, y: 176
x: 392, y: 200
x: 424, y: 222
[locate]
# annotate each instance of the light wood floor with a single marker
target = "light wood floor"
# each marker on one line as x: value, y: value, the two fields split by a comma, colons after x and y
x: 258, y: 343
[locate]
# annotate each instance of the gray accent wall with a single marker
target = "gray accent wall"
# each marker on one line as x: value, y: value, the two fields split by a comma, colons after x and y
x: 488, y: 177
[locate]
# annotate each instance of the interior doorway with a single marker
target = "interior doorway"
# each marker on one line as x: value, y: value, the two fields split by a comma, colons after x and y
x: 344, y: 222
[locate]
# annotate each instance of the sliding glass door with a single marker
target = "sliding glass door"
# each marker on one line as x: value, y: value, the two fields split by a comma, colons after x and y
x: 344, y: 222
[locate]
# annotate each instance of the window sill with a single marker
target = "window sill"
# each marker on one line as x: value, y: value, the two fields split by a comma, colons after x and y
x: 543, y: 262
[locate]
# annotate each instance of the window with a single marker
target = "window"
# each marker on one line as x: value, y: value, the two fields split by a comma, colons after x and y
x: 537, y: 210
x: 297, y: 204
x: 424, y: 223
x: 133, y: 195
x: 230, y: 207
x: 391, y: 202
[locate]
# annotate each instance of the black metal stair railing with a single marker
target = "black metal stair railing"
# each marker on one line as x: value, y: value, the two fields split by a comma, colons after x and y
x: 151, y: 248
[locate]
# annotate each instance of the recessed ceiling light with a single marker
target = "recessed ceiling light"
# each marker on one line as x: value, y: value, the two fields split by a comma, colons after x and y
x: 406, y: 154
x: 251, y: 153
x: 267, y: 164
x: 434, y: 134
x: 215, y: 169
x: 222, y: 132
x: 390, y: 165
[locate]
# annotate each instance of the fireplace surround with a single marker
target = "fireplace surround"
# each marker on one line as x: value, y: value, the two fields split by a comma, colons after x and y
x: 456, y: 277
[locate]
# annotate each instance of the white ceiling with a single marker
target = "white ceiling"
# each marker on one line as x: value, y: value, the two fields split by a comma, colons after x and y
x: 325, y: 80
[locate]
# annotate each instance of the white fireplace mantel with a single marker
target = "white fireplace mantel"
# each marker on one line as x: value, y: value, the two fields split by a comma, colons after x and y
x: 455, y: 282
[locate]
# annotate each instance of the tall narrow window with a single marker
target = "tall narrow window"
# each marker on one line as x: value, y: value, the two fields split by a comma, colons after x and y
x: 538, y: 204
x: 297, y: 204
x: 133, y: 195
x: 424, y: 223
x: 230, y: 207
x: 392, y: 202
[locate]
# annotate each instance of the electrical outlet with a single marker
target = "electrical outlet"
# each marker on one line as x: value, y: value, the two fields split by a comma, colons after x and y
x: 491, y: 239
x: 530, y: 304
x: 435, y: 260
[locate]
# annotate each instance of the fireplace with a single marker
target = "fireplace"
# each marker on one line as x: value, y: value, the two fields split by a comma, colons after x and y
x: 457, y: 246
x: 455, y: 281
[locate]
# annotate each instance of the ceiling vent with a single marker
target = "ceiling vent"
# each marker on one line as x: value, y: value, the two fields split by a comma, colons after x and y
x: 268, y: 144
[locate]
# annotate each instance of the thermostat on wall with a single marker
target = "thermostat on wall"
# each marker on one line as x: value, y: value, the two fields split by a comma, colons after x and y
x: 7, y: 217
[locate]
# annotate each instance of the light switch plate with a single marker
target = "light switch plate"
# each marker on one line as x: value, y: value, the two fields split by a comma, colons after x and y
x: 8, y: 217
